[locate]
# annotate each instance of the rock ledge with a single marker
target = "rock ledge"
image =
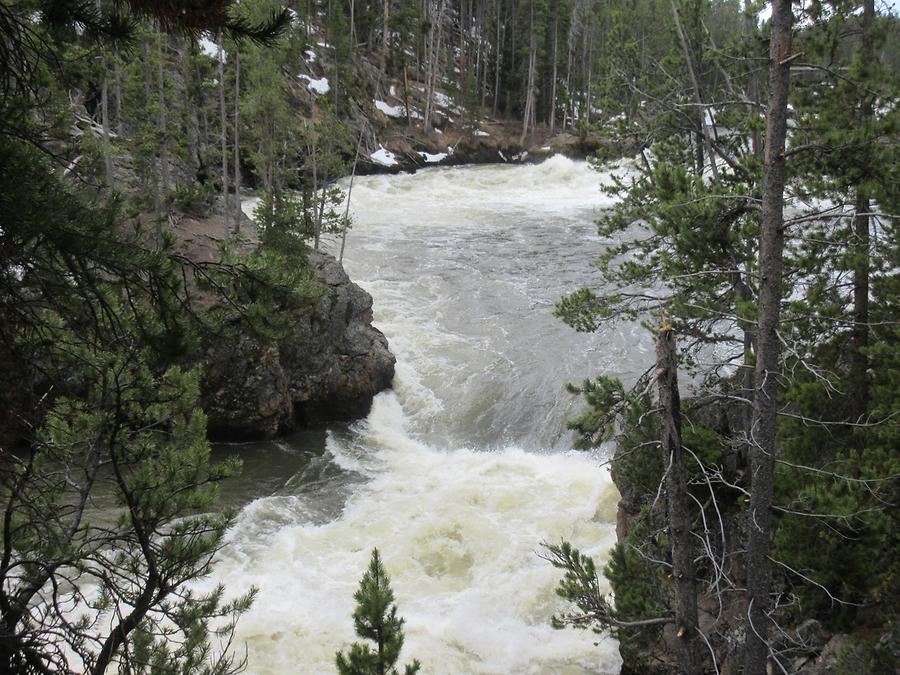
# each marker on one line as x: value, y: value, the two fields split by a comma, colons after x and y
x: 328, y: 368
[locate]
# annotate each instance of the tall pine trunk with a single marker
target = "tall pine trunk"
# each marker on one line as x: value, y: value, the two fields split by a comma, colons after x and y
x: 859, y: 362
x: 765, y: 403
x: 237, y: 141
x: 528, y: 117
x: 678, y: 507
x: 224, y: 136
x: 153, y: 160
x: 163, y: 121
x: 104, y: 119
x: 385, y: 36
x: 553, y: 88
x: 705, y: 139
x: 498, y: 61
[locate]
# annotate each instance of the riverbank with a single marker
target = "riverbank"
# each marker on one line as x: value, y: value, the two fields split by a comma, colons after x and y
x: 405, y: 149
x: 325, y: 366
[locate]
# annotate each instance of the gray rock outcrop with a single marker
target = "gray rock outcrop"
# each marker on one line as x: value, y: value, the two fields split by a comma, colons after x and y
x: 329, y: 367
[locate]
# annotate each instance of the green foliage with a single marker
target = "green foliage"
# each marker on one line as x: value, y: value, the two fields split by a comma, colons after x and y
x: 193, y: 199
x: 580, y: 585
x: 282, y: 217
x: 706, y: 449
x: 375, y: 618
x: 637, y: 594
x: 96, y: 320
x: 102, y: 329
x: 606, y: 396
x: 637, y: 587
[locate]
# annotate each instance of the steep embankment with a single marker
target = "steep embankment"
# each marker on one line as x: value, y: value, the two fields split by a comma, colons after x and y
x: 806, y: 645
x: 329, y: 365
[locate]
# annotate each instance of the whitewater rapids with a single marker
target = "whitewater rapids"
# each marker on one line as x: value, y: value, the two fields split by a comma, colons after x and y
x: 461, y: 470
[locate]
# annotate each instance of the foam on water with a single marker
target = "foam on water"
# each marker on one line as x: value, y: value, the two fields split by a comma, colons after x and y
x: 458, y: 531
x: 463, y: 194
x: 460, y: 471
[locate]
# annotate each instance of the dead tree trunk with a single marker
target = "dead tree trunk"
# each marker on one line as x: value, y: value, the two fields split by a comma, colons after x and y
x: 678, y: 506
x: 528, y: 117
x: 765, y: 402
x: 346, y: 223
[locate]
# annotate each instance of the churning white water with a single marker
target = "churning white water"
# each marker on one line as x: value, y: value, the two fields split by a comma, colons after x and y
x: 461, y: 470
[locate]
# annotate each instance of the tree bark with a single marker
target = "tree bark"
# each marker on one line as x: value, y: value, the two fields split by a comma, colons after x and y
x: 153, y: 160
x: 434, y: 54
x: 678, y: 507
x: 237, y: 141
x: 406, y: 97
x: 385, y: 36
x: 859, y: 361
x: 498, y: 53
x: 553, y: 88
x: 163, y: 119
x: 117, y: 88
x: 346, y: 222
x: 104, y: 118
x: 762, y: 434
x: 224, y: 136
x: 528, y: 117
x: 698, y: 99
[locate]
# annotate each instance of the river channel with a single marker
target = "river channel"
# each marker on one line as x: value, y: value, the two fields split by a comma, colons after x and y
x: 463, y: 468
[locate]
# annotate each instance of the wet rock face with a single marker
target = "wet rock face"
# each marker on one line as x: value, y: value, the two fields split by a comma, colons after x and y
x: 329, y: 367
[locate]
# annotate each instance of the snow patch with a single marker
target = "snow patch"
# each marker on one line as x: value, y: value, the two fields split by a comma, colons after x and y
x: 396, y: 111
x: 479, y: 132
x: 433, y: 159
x: 310, y: 55
x: 390, y: 110
x: 319, y: 86
x: 442, y: 99
x: 211, y: 49
x: 384, y: 157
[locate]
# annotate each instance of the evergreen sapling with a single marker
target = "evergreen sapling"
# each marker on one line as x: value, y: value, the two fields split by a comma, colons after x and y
x: 375, y: 618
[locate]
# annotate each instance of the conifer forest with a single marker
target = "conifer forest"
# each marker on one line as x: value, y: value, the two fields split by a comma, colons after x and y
x: 450, y: 336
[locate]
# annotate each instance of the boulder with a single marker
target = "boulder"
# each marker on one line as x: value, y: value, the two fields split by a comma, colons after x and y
x: 328, y: 367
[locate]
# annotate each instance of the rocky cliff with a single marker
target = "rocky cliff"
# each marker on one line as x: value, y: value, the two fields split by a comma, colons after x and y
x: 329, y: 366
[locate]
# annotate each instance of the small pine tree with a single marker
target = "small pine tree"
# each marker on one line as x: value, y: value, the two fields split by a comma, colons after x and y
x: 375, y: 618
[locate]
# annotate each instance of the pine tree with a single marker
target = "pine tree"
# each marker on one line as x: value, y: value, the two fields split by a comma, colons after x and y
x: 375, y: 618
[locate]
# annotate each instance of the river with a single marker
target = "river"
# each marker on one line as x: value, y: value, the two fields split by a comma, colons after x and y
x: 463, y: 468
